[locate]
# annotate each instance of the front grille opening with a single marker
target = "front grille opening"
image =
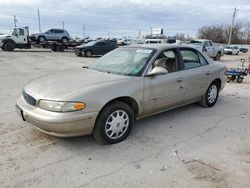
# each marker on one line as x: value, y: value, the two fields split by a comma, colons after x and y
x: 28, y: 98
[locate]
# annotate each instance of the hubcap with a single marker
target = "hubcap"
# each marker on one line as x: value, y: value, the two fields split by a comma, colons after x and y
x: 212, y: 94
x: 65, y: 40
x: 117, y: 124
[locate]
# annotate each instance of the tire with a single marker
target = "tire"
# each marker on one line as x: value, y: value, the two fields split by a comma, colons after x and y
x: 41, y: 39
x: 9, y: 46
x: 114, y: 123
x: 228, y: 79
x: 237, y: 53
x: 88, y: 53
x: 233, y: 78
x: 239, y: 79
x: 65, y: 40
x: 218, y: 56
x: 211, y: 95
x: 79, y: 54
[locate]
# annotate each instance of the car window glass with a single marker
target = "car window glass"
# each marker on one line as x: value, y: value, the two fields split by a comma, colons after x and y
x: 203, y: 61
x: 58, y: 31
x: 209, y: 43
x: 21, y: 32
x: 125, y: 61
x: 167, y: 59
x: 190, y: 59
x: 100, y: 44
x: 205, y: 43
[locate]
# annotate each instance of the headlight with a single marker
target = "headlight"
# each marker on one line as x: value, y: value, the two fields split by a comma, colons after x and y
x: 61, y: 106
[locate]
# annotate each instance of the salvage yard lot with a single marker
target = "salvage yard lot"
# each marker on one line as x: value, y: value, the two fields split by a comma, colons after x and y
x: 187, y: 147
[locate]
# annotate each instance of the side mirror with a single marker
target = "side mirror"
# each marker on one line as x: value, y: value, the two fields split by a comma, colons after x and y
x: 157, y: 71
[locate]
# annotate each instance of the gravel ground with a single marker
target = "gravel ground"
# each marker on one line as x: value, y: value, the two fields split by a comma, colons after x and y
x: 186, y: 147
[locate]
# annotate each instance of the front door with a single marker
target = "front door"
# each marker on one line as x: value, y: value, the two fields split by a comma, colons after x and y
x: 21, y: 37
x: 163, y: 92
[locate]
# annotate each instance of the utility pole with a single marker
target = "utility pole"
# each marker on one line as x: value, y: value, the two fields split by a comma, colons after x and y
x: 15, y: 21
x: 139, y: 33
x: 39, y: 22
x: 63, y: 24
x: 83, y: 31
x: 231, y: 29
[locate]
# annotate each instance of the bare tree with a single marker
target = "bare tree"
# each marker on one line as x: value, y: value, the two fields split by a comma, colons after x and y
x: 220, y: 33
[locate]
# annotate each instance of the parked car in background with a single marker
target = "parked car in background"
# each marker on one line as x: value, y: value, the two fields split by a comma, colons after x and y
x: 231, y: 50
x: 52, y: 35
x: 155, y: 41
x: 124, y: 41
x: 208, y: 47
x: 243, y: 50
x: 129, y: 83
x: 99, y: 47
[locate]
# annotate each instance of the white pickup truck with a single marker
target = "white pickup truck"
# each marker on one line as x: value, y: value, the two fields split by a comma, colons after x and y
x: 208, y: 47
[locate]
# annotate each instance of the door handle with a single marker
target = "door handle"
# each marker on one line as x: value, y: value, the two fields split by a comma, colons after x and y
x: 208, y: 73
x: 179, y: 80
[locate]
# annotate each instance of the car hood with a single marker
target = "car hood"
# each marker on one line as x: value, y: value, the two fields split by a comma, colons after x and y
x: 63, y: 84
x: 4, y: 36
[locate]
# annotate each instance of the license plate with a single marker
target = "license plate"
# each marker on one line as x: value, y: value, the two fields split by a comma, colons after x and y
x: 20, y: 112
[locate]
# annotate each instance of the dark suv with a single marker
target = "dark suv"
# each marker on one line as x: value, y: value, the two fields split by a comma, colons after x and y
x: 95, y: 48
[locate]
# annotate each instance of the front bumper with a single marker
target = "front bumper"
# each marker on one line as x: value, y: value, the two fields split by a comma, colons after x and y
x: 1, y: 44
x: 66, y: 124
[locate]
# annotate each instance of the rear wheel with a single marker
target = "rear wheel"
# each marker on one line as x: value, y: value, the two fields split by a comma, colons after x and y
x: 211, y: 95
x: 9, y: 46
x: 114, y: 123
x: 239, y: 79
x: 88, y: 53
x: 218, y: 56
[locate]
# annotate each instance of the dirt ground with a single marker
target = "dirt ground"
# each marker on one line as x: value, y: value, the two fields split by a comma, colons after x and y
x: 189, y: 147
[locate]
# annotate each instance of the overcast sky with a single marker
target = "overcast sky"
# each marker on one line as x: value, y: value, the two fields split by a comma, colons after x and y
x: 121, y: 17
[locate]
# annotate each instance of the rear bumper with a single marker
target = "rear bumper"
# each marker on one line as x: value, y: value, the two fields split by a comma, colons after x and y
x: 67, y: 124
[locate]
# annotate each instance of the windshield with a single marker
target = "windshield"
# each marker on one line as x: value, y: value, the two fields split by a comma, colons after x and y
x: 199, y: 43
x: 124, y: 61
x: 90, y: 43
x: 13, y: 32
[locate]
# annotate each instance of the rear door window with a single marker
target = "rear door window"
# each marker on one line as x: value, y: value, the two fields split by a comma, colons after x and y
x: 190, y: 58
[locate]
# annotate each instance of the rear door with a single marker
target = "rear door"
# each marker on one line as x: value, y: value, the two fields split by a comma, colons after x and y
x: 196, y: 74
x: 209, y: 48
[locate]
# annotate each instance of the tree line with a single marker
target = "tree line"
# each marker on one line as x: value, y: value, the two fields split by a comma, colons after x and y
x: 220, y: 33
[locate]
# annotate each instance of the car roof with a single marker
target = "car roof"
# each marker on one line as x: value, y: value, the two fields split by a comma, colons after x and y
x: 159, y: 46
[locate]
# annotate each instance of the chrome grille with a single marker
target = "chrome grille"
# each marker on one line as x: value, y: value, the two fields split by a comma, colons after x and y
x: 28, y: 98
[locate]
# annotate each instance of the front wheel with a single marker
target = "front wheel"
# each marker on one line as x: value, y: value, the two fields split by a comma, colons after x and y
x: 211, y: 95
x: 41, y: 39
x: 9, y: 46
x: 114, y: 123
x: 65, y: 40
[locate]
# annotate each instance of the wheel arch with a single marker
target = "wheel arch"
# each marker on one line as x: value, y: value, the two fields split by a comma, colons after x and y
x: 8, y: 40
x: 218, y: 82
x: 131, y: 102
